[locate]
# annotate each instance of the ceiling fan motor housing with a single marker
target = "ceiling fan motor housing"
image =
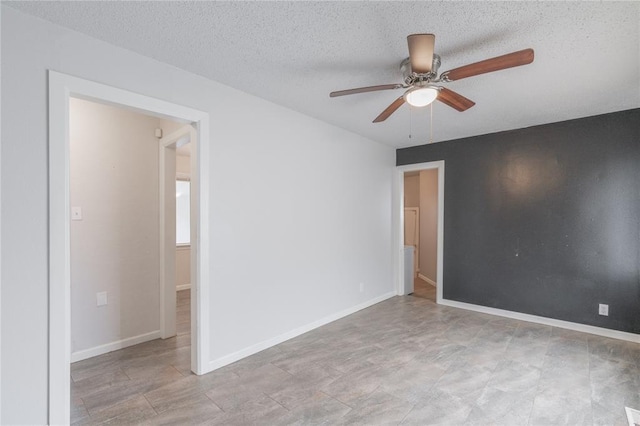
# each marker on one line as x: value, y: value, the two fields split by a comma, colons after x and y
x: 410, y: 78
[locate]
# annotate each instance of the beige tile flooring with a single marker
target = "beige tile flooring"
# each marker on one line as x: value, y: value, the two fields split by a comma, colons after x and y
x: 424, y: 290
x: 403, y: 361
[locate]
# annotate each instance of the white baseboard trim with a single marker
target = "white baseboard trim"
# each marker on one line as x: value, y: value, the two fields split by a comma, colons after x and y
x: 114, y: 346
x: 183, y: 287
x: 598, y: 331
x: 427, y: 280
x: 253, y: 349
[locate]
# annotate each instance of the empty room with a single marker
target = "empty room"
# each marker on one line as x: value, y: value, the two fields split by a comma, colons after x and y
x: 373, y: 213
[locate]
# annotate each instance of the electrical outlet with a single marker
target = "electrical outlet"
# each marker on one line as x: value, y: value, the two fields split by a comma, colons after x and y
x: 603, y: 309
x: 101, y: 298
x: 361, y: 287
x: 76, y: 213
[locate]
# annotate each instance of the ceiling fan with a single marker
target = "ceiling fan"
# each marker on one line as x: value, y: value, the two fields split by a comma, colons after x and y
x: 420, y: 75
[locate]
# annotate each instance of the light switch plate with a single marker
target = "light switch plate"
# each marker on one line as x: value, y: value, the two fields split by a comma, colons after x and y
x: 101, y: 298
x: 76, y: 213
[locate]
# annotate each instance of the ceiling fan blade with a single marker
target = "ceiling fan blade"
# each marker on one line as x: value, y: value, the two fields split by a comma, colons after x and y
x: 390, y: 110
x: 421, y: 52
x: 365, y: 89
x: 510, y: 60
x: 454, y: 100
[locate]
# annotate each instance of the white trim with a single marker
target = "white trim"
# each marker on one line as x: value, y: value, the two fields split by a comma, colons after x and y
x: 416, y: 232
x: 598, y: 331
x: 166, y: 239
x: 0, y: 264
x: 427, y: 280
x: 398, y: 224
x: 253, y: 349
x: 167, y: 207
x: 633, y: 416
x: 114, y: 346
x: 200, y: 256
x: 183, y: 287
x: 61, y: 87
x: 172, y: 139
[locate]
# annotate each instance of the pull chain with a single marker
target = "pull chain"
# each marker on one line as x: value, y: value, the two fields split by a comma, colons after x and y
x: 410, y: 121
x: 430, y: 124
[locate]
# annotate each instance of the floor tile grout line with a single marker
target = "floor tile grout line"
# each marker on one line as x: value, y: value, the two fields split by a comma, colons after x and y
x: 590, y: 377
x: 540, y: 378
x: 276, y: 401
x: 150, y: 404
x: 214, y: 403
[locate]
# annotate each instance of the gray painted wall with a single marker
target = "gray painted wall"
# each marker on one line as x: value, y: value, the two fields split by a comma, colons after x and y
x: 545, y: 220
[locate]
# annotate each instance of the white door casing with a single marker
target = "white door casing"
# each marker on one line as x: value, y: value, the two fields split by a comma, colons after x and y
x: 412, y: 234
x: 398, y: 224
x: 61, y: 88
x: 167, y: 174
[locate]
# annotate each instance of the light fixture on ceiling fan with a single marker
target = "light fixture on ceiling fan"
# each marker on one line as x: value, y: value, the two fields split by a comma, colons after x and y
x: 420, y: 73
x: 420, y: 96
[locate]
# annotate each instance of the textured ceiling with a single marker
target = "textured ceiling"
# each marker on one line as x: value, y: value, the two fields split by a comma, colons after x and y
x: 294, y: 53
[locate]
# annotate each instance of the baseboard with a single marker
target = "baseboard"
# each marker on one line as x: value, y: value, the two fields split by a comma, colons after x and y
x: 114, y: 346
x: 183, y: 287
x: 598, y: 331
x: 427, y: 280
x: 253, y: 349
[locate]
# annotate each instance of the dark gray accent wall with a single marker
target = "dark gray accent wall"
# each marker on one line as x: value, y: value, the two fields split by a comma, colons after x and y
x: 545, y: 220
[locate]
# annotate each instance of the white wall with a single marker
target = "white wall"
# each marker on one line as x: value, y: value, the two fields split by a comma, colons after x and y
x: 0, y: 237
x: 183, y: 253
x: 429, y: 223
x: 183, y: 267
x: 115, y: 247
x: 183, y: 164
x: 309, y: 240
x: 183, y: 167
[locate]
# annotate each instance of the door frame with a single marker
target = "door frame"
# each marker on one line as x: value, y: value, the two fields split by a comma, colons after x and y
x: 61, y: 88
x: 398, y: 224
x: 167, y: 230
x: 416, y: 251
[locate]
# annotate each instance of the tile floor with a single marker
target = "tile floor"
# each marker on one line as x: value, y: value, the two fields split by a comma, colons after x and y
x: 402, y: 361
x: 424, y: 290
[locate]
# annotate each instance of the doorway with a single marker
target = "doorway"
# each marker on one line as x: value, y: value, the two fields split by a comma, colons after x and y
x: 419, y: 229
x: 115, y: 230
x: 62, y: 87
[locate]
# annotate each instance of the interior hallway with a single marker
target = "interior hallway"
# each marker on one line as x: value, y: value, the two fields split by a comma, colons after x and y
x: 403, y: 361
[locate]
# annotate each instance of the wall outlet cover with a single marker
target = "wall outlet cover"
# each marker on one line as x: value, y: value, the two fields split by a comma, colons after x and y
x: 76, y: 213
x: 101, y: 298
x: 603, y: 309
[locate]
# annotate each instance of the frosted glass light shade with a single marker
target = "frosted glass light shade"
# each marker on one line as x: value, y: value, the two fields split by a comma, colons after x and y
x: 421, y: 96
